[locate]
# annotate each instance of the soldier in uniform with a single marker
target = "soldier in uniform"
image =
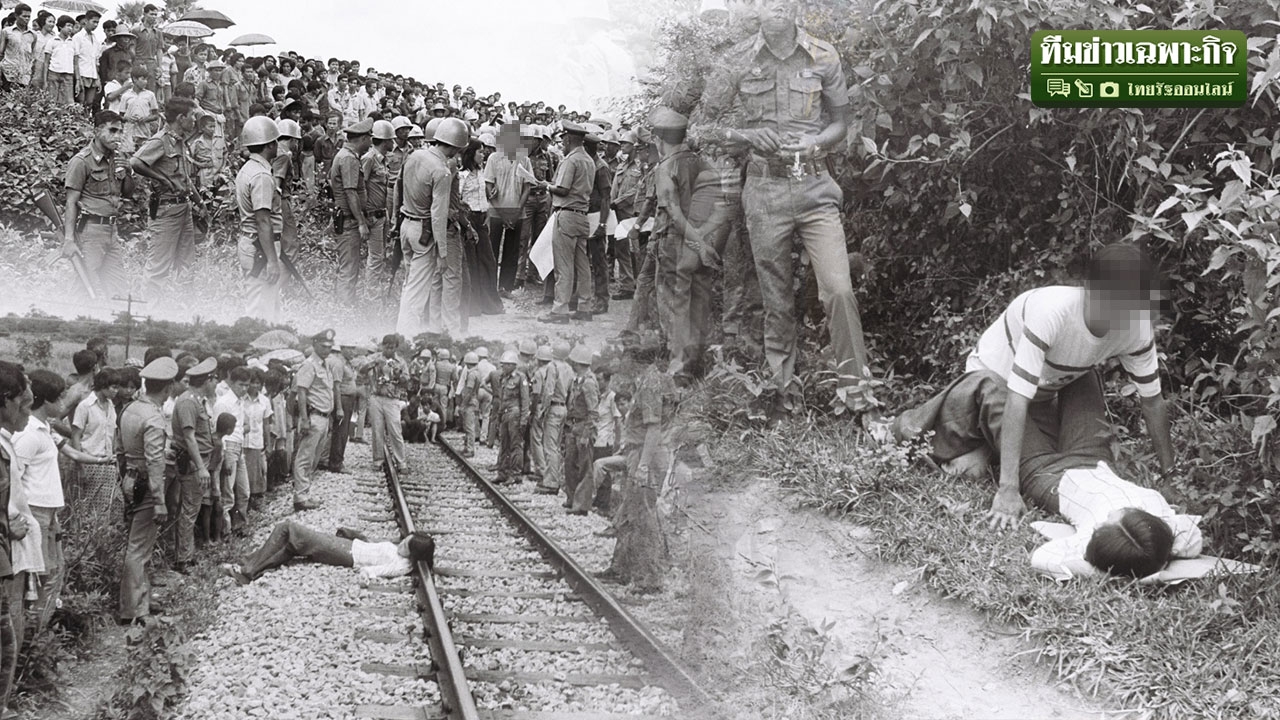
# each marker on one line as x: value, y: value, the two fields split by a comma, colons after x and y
x: 488, y: 391
x: 143, y: 440
x: 537, y: 205
x: 349, y: 194
x: 96, y: 179
x: 598, y: 243
x: 446, y: 377
x: 423, y: 197
x: 792, y: 90
x: 164, y: 160
x: 626, y: 201
x: 555, y: 392
x: 644, y: 310
x: 388, y: 378
x: 536, y: 458
x: 287, y: 175
x: 376, y: 174
x: 513, y: 411
x: 580, y: 422
x: 468, y: 394
x: 261, y: 219
x: 571, y: 196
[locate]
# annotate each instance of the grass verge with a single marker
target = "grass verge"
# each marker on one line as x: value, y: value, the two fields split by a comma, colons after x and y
x: 1207, y: 649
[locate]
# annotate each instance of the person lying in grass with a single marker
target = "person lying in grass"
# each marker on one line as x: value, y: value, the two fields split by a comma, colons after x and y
x: 1121, y: 528
x: 1044, y: 348
x: 347, y: 548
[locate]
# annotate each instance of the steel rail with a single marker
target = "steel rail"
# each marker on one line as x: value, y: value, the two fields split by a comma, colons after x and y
x: 633, y: 634
x: 455, y: 692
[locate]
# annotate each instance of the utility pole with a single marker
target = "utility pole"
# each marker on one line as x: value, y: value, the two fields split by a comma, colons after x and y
x: 128, y: 317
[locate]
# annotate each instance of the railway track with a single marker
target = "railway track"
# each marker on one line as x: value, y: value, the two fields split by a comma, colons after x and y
x: 517, y: 629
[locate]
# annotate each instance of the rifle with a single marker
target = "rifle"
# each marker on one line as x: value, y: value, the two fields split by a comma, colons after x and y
x: 44, y: 202
x: 260, y: 264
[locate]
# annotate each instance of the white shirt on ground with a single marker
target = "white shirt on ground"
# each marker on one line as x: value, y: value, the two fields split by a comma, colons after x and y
x: 379, y: 560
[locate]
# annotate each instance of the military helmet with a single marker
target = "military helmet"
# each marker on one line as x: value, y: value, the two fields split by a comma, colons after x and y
x: 482, y: 352
x: 560, y: 350
x: 470, y: 359
x: 430, y: 132
x: 444, y: 354
x: 581, y: 355
x: 510, y: 357
x: 544, y: 354
x: 453, y: 131
x: 289, y: 128
x: 260, y: 130
x: 528, y: 347
x: 384, y: 130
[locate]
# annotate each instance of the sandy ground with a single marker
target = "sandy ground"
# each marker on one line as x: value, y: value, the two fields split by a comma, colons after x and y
x: 936, y: 658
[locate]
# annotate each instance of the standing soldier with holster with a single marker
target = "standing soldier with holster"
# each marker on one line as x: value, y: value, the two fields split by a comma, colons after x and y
x: 96, y: 180
x: 164, y: 160
x: 469, y: 402
x: 795, y: 101
x: 261, y: 219
x: 580, y: 422
x: 537, y: 463
x: 143, y: 441
x: 514, y: 406
x: 350, y: 223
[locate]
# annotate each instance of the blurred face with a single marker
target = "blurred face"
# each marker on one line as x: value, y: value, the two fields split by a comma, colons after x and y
x: 110, y: 135
x: 775, y: 15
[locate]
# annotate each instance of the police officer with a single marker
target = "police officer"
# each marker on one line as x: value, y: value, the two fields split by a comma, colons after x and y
x: 555, y: 391
x: 468, y: 394
x: 435, y: 266
x: 793, y: 93
x: 375, y: 172
x: 571, y: 196
x: 261, y: 219
x: 286, y: 174
x: 96, y: 179
x: 142, y: 441
x: 351, y: 224
x: 192, y: 425
x: 513, y: 404
x: 626, y: 200
x: 446, y: 377
x: 165, y: 161
x: 580, y: 422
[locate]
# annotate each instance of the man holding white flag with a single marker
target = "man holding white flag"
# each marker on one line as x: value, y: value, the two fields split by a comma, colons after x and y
x: 571, y: 196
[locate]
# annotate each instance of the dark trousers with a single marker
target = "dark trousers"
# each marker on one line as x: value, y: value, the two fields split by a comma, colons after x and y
x: 505, y: 242
x: 8, y: 642
x: 579, y: 436
x: 340, y: 433
x: 1066, y: 432
x: 644, y: 311
x: 597, y: 247
x: 291, y: 540
x: 484, y: 271
x: 510, y: 446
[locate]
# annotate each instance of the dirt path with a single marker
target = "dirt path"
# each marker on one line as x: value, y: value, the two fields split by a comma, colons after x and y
x: 936, y: 658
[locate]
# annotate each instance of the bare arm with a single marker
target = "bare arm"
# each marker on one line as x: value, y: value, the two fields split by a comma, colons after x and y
x: 1008, y: 505
x: 1155, y: 414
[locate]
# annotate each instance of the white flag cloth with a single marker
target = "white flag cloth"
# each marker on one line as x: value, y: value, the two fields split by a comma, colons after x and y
x: 624, y: 228
x: 541, y: 254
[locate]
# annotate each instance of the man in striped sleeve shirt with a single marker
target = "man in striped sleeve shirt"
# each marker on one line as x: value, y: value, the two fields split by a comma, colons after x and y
x: 1045, y: 348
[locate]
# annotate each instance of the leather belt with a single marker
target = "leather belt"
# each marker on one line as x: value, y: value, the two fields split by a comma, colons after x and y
x: 97, y: 219
x: 565, y: 209
x: 781, y: 169
x: 377, y: 214
x: 171, y: 201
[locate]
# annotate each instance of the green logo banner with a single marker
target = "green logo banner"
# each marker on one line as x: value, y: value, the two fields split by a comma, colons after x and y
x: 1139, y: 68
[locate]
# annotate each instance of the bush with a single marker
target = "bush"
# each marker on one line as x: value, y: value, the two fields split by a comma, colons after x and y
x: 40, y: 137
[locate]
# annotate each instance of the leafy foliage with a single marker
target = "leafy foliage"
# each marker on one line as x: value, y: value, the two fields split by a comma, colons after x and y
x: 40, y: 137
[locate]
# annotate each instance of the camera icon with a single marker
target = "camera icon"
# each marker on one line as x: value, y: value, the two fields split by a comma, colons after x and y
x: 1109, y: 90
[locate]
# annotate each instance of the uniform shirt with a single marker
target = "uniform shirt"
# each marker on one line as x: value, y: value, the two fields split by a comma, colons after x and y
x: 395, y: 160
x: 345, y: 175
x: 62, y: 55
x: 1040, y: 344
x: 315, y: 378
x: 513, y: 394
x: 508, y: 182
x: 607, y: 415
x: 96, y: 421
x: 584, y: 400
x: 653, y: 404
x: 600, y: 186
x: 87, y: 49
x: 376, y: 175
x: 388, y: 377
x: 344, y: 377
x: 1086, y: 496
x: 192, y: 412
x: 144, y: 440
x: 627, y: 185
x: 686, y: 181
x: 36, y: 450
x: 487, y: 371
x: 231, y: 405
x: 427, y: 186
x: 379, y: 560
x: 446, y: 374
x: 256, y: 190
x: 577, y: 173
x: 556, y: 382
x: 788, y: 94
x: 469, y: 384
x: 165, y: 153
x: 93, y: 174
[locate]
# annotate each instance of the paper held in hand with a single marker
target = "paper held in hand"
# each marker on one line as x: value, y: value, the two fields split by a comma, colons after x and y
x: 541, y: 254
x: 624, y: 227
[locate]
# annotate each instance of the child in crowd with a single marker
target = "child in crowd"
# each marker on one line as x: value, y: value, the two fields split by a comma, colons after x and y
x: 113, y: 91
x: 209, y: 524
x: 141, y: 111
x: 202, y: 150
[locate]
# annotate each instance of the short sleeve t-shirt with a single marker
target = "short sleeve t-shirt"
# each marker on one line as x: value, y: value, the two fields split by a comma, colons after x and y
x: 1040, y: 344
x: 97, y: 422
x: 607, y: 416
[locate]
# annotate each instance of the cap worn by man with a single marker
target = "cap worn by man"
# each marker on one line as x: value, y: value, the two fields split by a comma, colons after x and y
x: 164, y: 368
x: 364, y: 127
x: 259, y: 130
x: 667, y: 119
x: 203, y: 368
x: 572, y: 128
x: 530, y: 131
x: 324, y: 336
x: 289, y: 128
x: 212, y: 64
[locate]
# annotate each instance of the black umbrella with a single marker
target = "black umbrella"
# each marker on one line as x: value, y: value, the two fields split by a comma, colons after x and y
x: 209, y: 18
